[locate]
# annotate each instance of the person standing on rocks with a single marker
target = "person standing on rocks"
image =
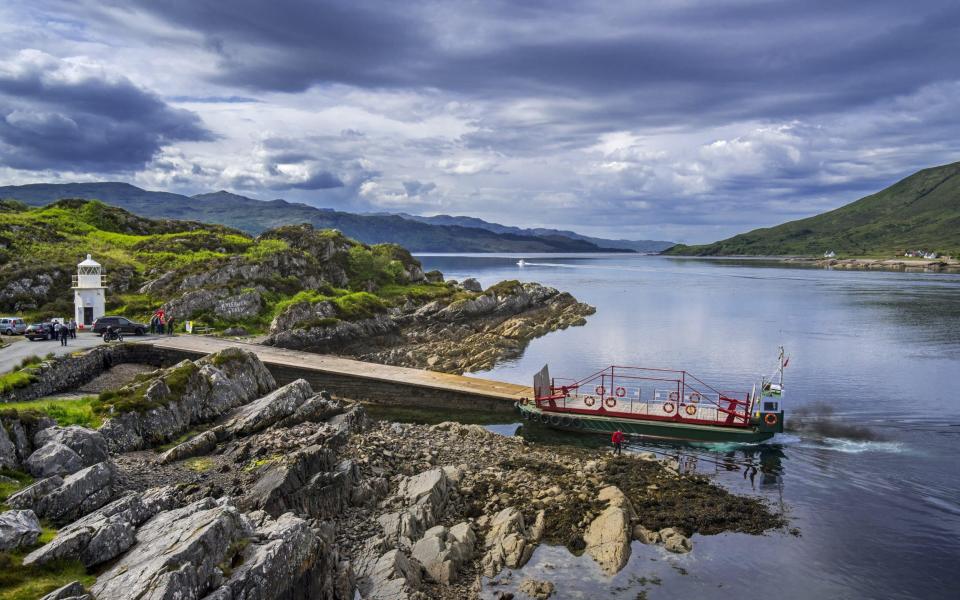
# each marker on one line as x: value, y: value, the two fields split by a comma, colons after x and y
x: 153, y: 323
x: 617, y: 439
x: 170, y: 321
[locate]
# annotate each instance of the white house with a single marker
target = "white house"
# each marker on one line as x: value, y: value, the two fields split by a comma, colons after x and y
x: 89, y: 292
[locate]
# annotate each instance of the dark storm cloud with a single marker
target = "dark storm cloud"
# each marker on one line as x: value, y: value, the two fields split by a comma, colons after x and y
x: 760, y: 59
x: 54, y: 116
x: 320, y: 180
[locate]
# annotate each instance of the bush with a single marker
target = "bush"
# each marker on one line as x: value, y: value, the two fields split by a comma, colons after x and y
x: 358, y: 305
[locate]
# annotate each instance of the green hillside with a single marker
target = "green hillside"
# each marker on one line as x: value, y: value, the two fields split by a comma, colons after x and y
x: 920, y: 212
x: 198, y: 271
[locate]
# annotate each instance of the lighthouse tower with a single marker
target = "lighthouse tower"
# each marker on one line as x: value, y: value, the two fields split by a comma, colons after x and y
x: 89, y: 292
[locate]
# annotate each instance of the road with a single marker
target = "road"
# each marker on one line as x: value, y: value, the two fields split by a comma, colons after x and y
x: 20, y: 347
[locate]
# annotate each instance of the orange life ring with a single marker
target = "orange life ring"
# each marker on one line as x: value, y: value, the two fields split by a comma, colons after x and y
x: 621, y: 392
x: 668, y: 407
x: 589, y: 400
x: 600, y: 390
x: 610, y: 402
x: 695, y: 397
x: 674, y: 396
x: 691, y: 409
x: 770, y: 419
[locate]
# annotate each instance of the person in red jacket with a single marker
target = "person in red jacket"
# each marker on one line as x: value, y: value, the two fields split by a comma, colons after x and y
x: 617, y: 439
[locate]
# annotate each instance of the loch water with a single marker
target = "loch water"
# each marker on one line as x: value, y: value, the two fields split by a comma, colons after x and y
x: 871, y: 487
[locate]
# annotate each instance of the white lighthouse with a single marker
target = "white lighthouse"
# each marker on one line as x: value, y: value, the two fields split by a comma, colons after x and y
x: 89, y: 292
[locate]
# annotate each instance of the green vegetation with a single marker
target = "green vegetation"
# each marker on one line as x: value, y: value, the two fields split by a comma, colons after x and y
x: 66, y: 411
x: 11, y: 482
x: 16, y: 379
x: 50, y: 241
x: 921, y: 212
x: 29, y: 583
x: 199, y: 464
x: 256, y: 463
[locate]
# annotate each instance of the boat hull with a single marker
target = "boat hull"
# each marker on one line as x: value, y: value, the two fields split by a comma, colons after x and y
x: 671, y: 430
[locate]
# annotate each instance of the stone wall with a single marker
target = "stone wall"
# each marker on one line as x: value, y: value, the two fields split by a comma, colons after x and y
x: 69, y: 372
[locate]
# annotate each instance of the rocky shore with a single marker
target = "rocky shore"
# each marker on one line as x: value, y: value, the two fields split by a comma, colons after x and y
x: 465, y: 332
x: 881, y: 264
x: 207, y: 480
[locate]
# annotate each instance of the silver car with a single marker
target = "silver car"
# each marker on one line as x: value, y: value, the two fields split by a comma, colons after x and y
x: 12, y: 325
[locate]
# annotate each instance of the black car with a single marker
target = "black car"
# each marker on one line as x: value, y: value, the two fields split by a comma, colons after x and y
x: 123, y: 324
x: 39, y: 331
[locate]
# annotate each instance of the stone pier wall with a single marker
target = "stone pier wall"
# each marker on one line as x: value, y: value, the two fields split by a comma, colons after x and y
x: 69, y: 372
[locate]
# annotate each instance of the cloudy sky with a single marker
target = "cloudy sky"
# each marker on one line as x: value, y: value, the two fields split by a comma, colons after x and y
x: 687, y: 120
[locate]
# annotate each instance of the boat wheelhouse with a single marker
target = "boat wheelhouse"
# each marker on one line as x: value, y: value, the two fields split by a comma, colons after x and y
x: 661, y: 403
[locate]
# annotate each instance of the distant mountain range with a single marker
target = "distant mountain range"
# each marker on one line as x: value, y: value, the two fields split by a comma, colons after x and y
x: 921, y: 212
x: 418, y: 234
x: 633, y: 245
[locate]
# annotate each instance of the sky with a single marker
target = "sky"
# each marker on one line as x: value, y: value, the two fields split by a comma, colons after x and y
x: 684, y: 120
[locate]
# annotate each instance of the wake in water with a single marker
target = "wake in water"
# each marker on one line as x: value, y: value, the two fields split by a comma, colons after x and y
x: 818, y: 419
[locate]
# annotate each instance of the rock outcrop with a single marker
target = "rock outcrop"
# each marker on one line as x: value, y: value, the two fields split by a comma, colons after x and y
x: 105, y: 533
x: 506, y: 543
x: 189, y: 393
x: 442, y: 552
x: 609, y: 535
x: 53, y: 459
x: 62, y: 500
x: 65, y: 450
x: 18, y: 529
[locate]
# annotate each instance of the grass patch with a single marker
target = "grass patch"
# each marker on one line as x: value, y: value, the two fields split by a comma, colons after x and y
x: 133, y: 398
x: 16, y: 379
x: 29, y: 583
x: 64, y: 411
x: 256, y: 463
x: 17, y: 481
x: 199, y: 464
x: 358, y: 305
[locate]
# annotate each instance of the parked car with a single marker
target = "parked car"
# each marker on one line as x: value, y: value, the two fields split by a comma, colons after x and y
x: 123, y: 324
x: 39, y: 331
x: 12, y: 325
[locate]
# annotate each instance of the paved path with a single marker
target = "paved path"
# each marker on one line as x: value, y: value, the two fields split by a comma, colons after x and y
x: 345, y: 366
x: 20, y: 347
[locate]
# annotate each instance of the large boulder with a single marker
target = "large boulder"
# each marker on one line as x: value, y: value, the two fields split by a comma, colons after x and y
x: 506, y: 543
x: 424, y: 496
x: 198, y: 445
x: 308, y: 482
x: 53, y: 459
x: 176, y: 554
x: 105, y: 533
x: 608, y: 537
x: 18, y: 529
x: 62, y: 500
x: 443, y: 551
x: 392, y: 576
x: 89, y: 445
x: 264, y: 412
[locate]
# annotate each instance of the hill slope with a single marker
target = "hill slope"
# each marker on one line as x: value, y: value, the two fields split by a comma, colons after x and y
x: 254, y: 216
x: 208, y: 272
x: 630, y: 245
x: 919, y: 212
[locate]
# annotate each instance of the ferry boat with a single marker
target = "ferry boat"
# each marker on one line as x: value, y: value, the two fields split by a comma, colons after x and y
x: 660, y: 403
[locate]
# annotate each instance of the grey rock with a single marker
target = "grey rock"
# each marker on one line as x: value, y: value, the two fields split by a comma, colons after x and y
x: 105, y: 533
x: 315, y: 409
x: 72, y: 591
x: 20, y: 439
x: 392, y: 576
x: 8, y: 451
x: 53, y: 459
x: 241, y: 306
x: 443, y: 551
x: 176, y: 554
x: 89, y: 445
x: 29, y: 496
x: 471, y: 285
x: 78, y: 494
x: 506, y: 543
x: 264, y: 412
x: 674, y: 541
x: 18, y: 529
x: 537, y: 589
x: 198, y: 445
x: 309, y: 482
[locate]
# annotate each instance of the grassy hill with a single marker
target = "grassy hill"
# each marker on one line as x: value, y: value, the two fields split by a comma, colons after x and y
x: 204, y: 271
x: 919, y: 212
x: 254, y: 216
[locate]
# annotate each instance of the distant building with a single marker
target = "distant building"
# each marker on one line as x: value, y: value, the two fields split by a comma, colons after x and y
x: 89, y: 292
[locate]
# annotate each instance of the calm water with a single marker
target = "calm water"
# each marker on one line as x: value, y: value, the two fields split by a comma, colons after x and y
x: 878, y: 517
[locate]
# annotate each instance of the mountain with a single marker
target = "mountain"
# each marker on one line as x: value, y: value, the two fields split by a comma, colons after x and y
x: 921, y: 212
x: 254, y: 216
x: 629, y: 245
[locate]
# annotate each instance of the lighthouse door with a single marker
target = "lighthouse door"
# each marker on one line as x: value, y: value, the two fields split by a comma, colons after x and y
x: 87, y: 316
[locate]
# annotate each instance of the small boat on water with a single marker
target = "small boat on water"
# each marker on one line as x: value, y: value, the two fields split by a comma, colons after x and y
x: 661, y: 403
x: 521, y: 263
